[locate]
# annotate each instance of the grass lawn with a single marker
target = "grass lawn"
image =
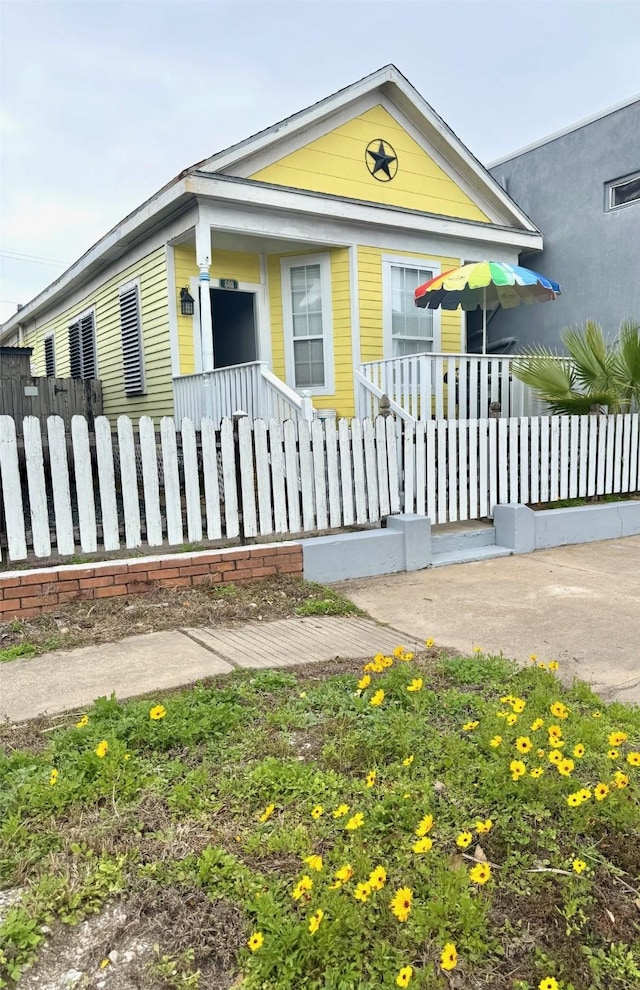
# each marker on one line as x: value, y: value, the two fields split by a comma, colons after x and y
x: 433, y: 822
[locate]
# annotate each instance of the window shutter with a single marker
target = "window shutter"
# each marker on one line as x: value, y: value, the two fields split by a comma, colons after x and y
x: 132, y: 357
x: 88, y: 347
x: 49, y: 358
x: 75, y: 351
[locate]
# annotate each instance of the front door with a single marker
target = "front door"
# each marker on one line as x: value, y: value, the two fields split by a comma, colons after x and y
x: 234, y: 327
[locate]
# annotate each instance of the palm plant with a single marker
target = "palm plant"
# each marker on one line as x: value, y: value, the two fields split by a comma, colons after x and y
x: 596, y: 373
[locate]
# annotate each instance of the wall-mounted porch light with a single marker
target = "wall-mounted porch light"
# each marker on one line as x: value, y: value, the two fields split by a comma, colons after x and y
x: 186, y: 302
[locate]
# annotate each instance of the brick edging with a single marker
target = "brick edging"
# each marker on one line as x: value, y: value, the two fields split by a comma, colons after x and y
x: 25, y: 594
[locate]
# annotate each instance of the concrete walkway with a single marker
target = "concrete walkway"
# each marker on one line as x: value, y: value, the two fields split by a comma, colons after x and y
x: 579, y: 605
x: 71, y: 679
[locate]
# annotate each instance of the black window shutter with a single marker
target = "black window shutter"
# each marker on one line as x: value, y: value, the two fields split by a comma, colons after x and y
x: 132, y: 356
x: 49, y: 358
x: 75, y: 351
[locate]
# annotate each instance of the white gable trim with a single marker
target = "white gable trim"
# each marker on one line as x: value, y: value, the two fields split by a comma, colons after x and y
x: 270, y: 145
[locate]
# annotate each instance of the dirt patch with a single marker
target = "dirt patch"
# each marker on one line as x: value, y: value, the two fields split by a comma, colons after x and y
x: 120, y: 948
x: 106, y: 620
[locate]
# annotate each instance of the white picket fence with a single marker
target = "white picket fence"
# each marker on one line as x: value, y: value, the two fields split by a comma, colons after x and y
x: 139, y: 487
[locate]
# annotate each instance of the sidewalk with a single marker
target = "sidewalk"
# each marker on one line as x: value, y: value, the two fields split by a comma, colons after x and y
x: 71, y: 679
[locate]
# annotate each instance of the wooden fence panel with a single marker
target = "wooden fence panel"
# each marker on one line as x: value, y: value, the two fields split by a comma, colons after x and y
x: 12, y: 490
x: 56, y: 436
x: 85, y: 496
x: 38, y: 508
x: 211, y: 479
x: 150, y: 483
x: 191, y: 481
x: 129, y: 483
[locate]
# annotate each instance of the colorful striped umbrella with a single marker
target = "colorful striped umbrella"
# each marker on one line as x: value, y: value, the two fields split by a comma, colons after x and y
x: 486, y: 284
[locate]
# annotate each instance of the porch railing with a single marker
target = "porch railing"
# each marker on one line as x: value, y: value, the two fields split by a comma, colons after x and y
x: 252, y: 388
x: 444, y: 386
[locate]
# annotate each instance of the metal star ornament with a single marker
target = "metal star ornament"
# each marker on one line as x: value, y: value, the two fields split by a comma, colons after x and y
x: 381, y: 160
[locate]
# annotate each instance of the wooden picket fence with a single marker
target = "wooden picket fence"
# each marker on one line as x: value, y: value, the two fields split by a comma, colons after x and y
x: 142, y: 487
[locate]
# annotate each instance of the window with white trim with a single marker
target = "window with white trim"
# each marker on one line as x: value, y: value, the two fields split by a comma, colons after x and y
x: 49, y: 357
x: 623, y: 192
x: 408, y: 329
x: 131, y: 334
x: 306, y: 305
x: 82, y: 347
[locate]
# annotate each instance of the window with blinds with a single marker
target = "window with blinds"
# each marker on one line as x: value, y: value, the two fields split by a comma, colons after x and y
x: 82, y: 347
x: 306, y: 288
x: 49, y: 357
x: 131, y: 331
x: 411, y: 328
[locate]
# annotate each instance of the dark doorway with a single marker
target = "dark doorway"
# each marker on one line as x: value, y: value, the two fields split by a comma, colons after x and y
x: 234, y: 327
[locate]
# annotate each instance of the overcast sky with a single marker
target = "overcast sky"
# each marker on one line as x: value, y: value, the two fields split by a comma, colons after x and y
x: 104, y: 102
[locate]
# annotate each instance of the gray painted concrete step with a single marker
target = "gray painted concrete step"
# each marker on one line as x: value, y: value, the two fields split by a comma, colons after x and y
x: 287, y: 642
x: 466, y: 556
x: 461, y: 537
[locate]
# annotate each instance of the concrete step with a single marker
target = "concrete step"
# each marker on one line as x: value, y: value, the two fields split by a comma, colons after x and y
x: 469, y: 554
x: 461, y: 537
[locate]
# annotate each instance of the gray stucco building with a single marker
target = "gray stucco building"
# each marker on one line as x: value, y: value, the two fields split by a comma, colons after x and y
x: 581, y: 187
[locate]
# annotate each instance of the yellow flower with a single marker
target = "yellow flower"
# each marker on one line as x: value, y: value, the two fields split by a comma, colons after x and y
x: 157, y: 712
x: 512, y: 719
x: 541, y: 754
x: 549, y: 983
x: 565, y: 767
x: 364, y: 682
x: 317, y: 811
x: 449, y: 957
x: 341, y: 810
x: 303, y: 886
x: 523, y: 744
x: 408, y: 761
x: 315, y: 920
x: 416, y: 684
x: 362, y: 892
x: 480, y: 873
x: 127, y: 756
x: 104, y: 963
x: 356, y: 821
x: 404, y: 976
x: 584, y: 793
x: 501, y: 714
x: 555, y: 756
x: 613, y: 754
x: 633, y: 759
x: 477, y: 649
x: 468, y: 726
x: 553, y: 664
x: 537, y: 724
x: 399, y: 652
x: 574, y: 800
x: 256, y: 941
x: 345, y: 873
x: 267, y: 813
x: 401, y: 903
x: 536, y: 772
x: 371, y: 778
x: 464, y: 840
x: 102, y: 748
x: 484, y: 826
x: 53, y: 778
x: 518, y: 705
x: 313, y: 862
x: 579, y: 865
x: 371, y: 666
x: 533, y: 657
x: 408, y: 656
x: 303, y: 694
x: 578, y: 750
x: 554, y: 730
x: 620, y: 779
x: 425, y: 825
x: 596, y: 714
x: 518, y: 769
x: 559, y: 710
x: 422, y: 845
x: 406, y: 796
x: 429, y: 643
x: 600, y: 791
x: 617, y: 738
x: 82, y: 722
x: 377, y: 698
x: 377, y: 878
x: 542, y: 666
x: 495, y: 742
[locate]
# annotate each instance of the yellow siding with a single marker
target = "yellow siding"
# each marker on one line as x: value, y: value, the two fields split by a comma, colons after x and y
x: 152, y: 274
x: 370, y: 302
x: 224, y: 264
x: 335, y: 164
x: 342, y: 399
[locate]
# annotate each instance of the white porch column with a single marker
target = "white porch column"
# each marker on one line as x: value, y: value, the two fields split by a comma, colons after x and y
x: 203, y: 256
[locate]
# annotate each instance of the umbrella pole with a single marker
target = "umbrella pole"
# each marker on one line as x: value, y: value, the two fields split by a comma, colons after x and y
x: 484, y: 320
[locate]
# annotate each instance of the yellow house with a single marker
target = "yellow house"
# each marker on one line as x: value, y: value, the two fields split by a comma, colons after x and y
x: 282, y: 267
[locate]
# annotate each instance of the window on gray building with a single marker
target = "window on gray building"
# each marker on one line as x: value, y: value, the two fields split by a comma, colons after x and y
x: 624, y: 191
